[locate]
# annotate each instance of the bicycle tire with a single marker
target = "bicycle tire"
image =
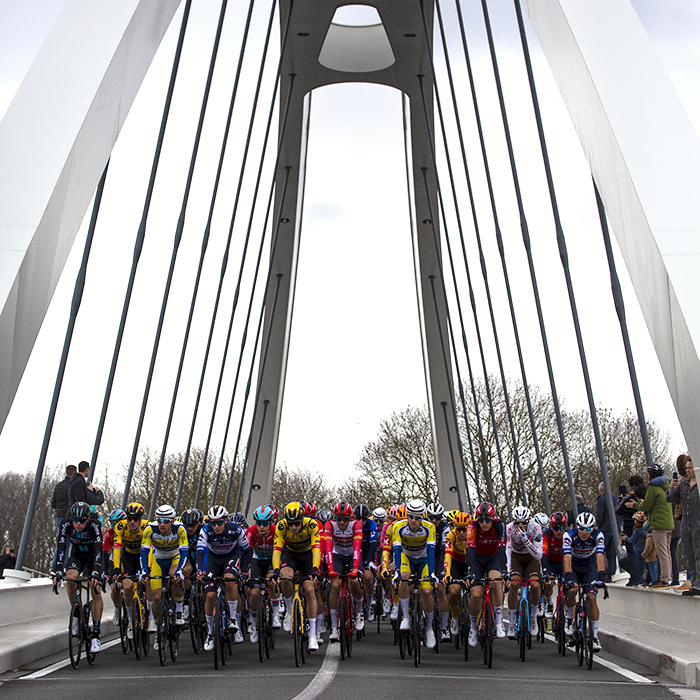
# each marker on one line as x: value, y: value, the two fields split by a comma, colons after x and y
x: 488, y: 636
x: 523, y: 624
x: 561, y: 626
x: 415, y: 627
x: 146, y: 636
x: 137, y: 627
x: 162, y: 631
x: 588, y: 639
x: 195, y: 623
x: 261, y: 630
x: 297, y: 631
x: 399, y: 638
x: 225, y: 638
x: 75, y: 646
x: 578, y: 638
x: 88, y: 637
x: 540, y: 629
x: 217, y: 634
x: 123, y: 624
x: 173, y: 635
x: 351, y: 625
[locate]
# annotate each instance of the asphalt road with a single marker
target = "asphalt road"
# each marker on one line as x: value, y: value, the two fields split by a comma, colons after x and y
x: 375, y: 669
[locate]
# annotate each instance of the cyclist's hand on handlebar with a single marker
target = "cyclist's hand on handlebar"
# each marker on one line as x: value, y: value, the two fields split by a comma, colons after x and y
x: 433, y: 578
x: 353, y: 573
x: 447, y: 579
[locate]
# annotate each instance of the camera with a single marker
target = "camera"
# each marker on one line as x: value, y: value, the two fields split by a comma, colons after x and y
x: 675, y: 476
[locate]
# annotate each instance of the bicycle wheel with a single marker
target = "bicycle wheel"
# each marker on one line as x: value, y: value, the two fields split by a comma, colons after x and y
x: 145, y: 635
x: 399, y: 637
x: 261, y: 629
x: 137, y: 627
x: 378, y: 603
x: 86, y: 634
x: 218, y: 638
x: 297, y: 635
x: 351, y: 626
x: 162, y: 631
x: 578, y: 637
x: 415, y: 632
x: 523, y: 624
x: 173, y: 635
x: 75, y: 648
x: 540, y: 629
x: 487, y: 616
x: 342, y: 627
x: 588, y: 639
x: 123, y: 624
x: 560, y: 623
x: 196, y: 621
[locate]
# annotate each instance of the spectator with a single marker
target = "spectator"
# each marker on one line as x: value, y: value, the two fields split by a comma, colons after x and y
x: 7, y: 559
x: 59, y: 501
x: 607, y: 527
x: 686, y: 492
x: 581, y: 507
x: 650, y: 558
x: 660, y: 515
x: 80, y: 490
x: 637, y: 542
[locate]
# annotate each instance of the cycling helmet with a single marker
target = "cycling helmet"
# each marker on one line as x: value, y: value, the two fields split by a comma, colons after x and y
x: 361, y: 511
x: 542, y: 520
x: 116, y: 515
x: 585, y: 520
x: 135, y: 510
x: 462, y: 519
x: 559, y: 519
x: 324, y: 515
x: 309, y: 510
x: 275, y: 513
x: 450, y: 516
x: 166, y: 512
x: 217, y: 513
x: 401, y: 513
x: 80, y: 509
x: 521, y: 514
x: 640, y: 516
x: 435, y: 510
x: 343, y: 510
x: 655, y: 470
x: 293, y: 511
x: 415, y: 507
x: 239, y: 519
x: 263, y: 515
x: 393, y: 512
x: 200, y: 513
x: 190, y: 517
x: 379, y: 514
x: 485, y: 510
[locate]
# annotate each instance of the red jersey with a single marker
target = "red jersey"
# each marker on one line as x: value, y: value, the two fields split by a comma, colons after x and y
x: 261, y: 546
x: 552, y: 548
x: 486, y: 543
x: 343, y: 542
x: 108, y: 540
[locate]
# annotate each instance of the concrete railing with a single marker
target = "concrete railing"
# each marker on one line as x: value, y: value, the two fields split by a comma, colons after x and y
x: 29, y: 600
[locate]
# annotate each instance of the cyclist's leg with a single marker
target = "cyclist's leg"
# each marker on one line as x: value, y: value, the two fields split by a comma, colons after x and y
x: 403, y: 592
x: 176, y: 586
x: 72, y: 571
x: 518, y: 572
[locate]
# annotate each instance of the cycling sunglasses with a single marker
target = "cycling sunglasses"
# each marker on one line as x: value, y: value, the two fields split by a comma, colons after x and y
x: 342, y: 519
x: 485, y: 520
x: 133, y: 518
x: 163, y: 521
x: 557, y: 528
x: 217, y: 522
x: 415, y: 517
x: 80, y: 520
x: 461, y: 529
x: 292, y: 523
x: 585, y: 529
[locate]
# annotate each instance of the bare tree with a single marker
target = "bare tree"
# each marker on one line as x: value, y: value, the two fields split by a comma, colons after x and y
x: 302, y: 484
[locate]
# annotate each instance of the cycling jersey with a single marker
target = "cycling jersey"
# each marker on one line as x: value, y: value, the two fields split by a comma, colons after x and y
x: 126, y: 541
x: 307, y: 538
x: 261, y: 546
x: 165, y: 546
x: 87, y: 544
x: 414, y: 545
x: 455, y: 550
x: 583, y: 550
x: 526, y: 541
x: 370, y: 539
x: 108, y: 541
x: 347, y: 542
x: 486, y: 545
x: 441, y: 530
x: 552, y: 547
x: 231, y: 544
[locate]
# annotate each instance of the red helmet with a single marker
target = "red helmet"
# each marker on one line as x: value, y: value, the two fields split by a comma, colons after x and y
x: 485, y: 510
x: 275, y: 514
x: 309, y: 510
x: 558, y: 519
x: 343, y: 510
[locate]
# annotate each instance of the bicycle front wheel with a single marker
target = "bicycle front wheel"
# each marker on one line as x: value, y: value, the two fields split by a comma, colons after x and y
x: 123, y: 625
x: 75, y: 624
x: 488, y: 636
x: 588, y: 639
x: 137, y: 627
x: 297, y: 635
x: 523, y: 624
x: 415, y: 630
x: 173, y: 635
x: 162, y: 632
x: 196, y: 622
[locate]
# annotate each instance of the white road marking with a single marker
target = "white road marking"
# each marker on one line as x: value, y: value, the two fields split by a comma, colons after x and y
x: 61, y: 664
x: 685, y: 692
x: 324, y: 676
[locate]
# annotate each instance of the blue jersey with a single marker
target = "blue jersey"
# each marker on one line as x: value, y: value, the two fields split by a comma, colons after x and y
x: 370, y: 540
x: 231, y: 543
x: 583, y: 550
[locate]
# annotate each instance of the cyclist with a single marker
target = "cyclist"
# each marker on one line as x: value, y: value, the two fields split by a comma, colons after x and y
x: 584, y: 565
x: 223, y: 542
x: 192, y: 519
x: 388, y: 568
x: 310, y: 512
x: 83, y: 557
x: 164, y: 551
x: 385, y: 546
x: 115, y: 516
x: 455, y: 567
x: 127, y: 548
x: 486, y: 556
x: 343, y: 554
x: 261, y: 539
x: 413, y: 542
x: 379, y: 516
x: 436, y: 513
x: 297, y: 548
x: 552, y: 557
x: 370, y: 540
x: 450, y: 516
x: 523, y: 553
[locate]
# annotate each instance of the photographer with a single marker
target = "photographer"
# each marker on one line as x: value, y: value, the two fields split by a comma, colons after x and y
x: 7, y: 559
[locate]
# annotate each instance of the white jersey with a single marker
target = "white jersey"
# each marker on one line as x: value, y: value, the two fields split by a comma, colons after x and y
x: 524, y: 541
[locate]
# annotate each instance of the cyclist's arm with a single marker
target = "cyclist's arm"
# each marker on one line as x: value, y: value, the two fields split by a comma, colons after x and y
x: 448, y: 556
x: 246, y: 552
x: 373, y: 541
x: 315, y: 544
x: 279, y: 544
x: 356, y: 544
x: 145, y: 547
x: 62, y: 542
x: 117, y: 548
x: 201, y: 548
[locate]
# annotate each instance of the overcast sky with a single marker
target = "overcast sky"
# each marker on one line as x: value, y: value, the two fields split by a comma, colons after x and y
x: 355, y: 349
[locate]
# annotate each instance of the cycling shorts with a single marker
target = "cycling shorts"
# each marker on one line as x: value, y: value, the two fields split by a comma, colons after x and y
x: 162, y: 567
x: 82, y: 563
x: 259, y: 568
x: 484, y: 565
x: 416, y: 566
x: 342, y: 563
x: 524, y: 566
x: 459, y: 569
x: 365, y: 561
x: 301, y: 562
x: 131, y: 564
x: 218, y: 567
x: 585, y: 572
x: 554, y: 568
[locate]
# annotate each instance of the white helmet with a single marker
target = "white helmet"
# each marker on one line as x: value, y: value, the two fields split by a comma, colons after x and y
x: 435, y: 510
x: 521, y: 514
x: 415, y: 507
x: 585, y: 520
x: 379, y: 514
x: 217, y: 513
x: 166, y: 512
x: 542, y: 519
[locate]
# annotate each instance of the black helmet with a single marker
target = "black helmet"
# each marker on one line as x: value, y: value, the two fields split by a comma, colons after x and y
x: 190, y: 517
x: 655, y: 470
x: 80, y: 509
x: 361, y: 511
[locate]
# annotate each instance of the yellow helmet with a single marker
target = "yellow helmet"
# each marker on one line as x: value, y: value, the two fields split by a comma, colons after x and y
x: 451, y: 515
x: 135, y: 510
x: 462, y: 519
x: 401, y: 513
x: 294, y: 511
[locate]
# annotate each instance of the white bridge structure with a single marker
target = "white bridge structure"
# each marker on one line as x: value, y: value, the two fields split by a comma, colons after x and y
x: 58, y: 133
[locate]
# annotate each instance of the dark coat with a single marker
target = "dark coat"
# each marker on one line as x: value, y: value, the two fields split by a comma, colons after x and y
x: 60, y: 501
x: 78, y: 491
x: 602, y: 517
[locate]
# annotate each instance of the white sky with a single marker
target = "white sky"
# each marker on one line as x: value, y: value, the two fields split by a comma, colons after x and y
x: 355, y: 355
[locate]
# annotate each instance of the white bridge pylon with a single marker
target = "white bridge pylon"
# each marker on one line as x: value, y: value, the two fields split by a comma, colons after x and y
x: 645, y: 157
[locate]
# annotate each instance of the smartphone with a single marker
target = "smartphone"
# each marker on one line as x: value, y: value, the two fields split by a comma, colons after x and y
x: 675, y: 476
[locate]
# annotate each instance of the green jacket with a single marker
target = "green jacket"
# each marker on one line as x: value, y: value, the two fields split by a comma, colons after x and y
x: 657, y: 508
